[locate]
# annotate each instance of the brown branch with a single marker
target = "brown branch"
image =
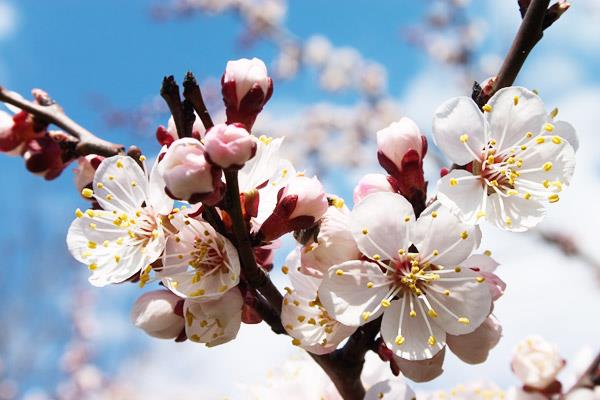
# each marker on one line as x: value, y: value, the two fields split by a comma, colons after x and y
x: 169, y: 91
x: 88, y: 143
x: 193, y: 94
x: 536, y: 18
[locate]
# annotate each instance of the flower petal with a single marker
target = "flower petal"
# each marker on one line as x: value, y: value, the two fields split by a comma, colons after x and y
x: 157, y: 196
x: 461, y: 300
x: 411, y: 337
x: 312, y: 327
x: 346, y: 293
x: 390, y: 390
x: 120, y: 184
x: 566, y: 131
x: 511, y: 119
x: 514, y: 213
x: 422, y: 370
x: 214, y: 322
x: 199, y: 262
x: 303, y: 284
x: 259, y: 169
x: 381, y: 224
x: 457, y: 117
x: 464, y: 197
x: 486, y: 266
x: 113, y: 253
x: 474, y: 347
x: 442, y: 238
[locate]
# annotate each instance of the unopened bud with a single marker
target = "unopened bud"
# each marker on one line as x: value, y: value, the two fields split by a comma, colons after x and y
x: 229, y: 146
x: 154, y: 312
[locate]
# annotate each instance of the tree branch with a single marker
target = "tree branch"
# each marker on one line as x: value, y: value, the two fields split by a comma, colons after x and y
x: 193, y: 94
x: 536, y: 18
x: 88, y: 143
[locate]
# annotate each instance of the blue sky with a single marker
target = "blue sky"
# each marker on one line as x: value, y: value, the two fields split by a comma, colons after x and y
x: 74, y: 49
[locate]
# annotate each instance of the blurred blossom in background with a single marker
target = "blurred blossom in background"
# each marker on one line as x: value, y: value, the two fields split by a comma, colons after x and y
x: 342, y: 71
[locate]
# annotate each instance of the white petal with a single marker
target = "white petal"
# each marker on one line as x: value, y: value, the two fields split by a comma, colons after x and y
x: 514, y: 213
x: 567, y: 132
x: 259, y: 169
x: 474, y: 347
x: 438, y: 231
x: 412, y: 333
x: 390, y: 390
x: 508, y: 123
x: 532, y: 175
x: 381, y: 224
x: 268, y: 194
x: 486, y: 266
x: 346, y: 296
x: 454, y: 118
x: 422, y: 370
x: 199, y: 263
x: 309, y: 323
x: 461, y: 300
x: 120, y: 184
x: 464, y: 199
x: 305, y: 285
x: 157, y: 197
x: 214, y: 322
x: 113, y: 253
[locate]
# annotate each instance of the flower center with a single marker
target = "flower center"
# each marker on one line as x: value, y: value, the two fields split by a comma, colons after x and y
x: 410, y: 275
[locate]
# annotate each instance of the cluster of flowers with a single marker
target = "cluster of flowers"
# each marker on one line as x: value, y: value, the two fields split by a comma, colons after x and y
x: 393, y: 257
x: 21, y: 134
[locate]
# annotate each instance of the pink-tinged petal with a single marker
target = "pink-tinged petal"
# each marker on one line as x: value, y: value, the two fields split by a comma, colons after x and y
x: 310, y: 325
x: 381, y: 224
x: 457, y: 117
x: 411, y: 337
x: 258, y: 170
x: 350, y: 289
x: 474, y: 347
x: 514, y: 213
x: 157, y: 197
x: 120, y: 184
x: 422, y: 370
x: 371, y: 183
x: 214, y: 322
x: 486, y: 266
x: 461, y: 300
x: 442, y: 239
x: 390, y: 390
x: 515, y: 111
x: 566, y: 131
x: 284, y: 171
x: 303, y: 284
x: 199, y: 263
x: 463, y: 194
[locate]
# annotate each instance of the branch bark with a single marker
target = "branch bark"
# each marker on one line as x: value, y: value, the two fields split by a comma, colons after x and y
x: 529, y: 34
x: 88, y: 143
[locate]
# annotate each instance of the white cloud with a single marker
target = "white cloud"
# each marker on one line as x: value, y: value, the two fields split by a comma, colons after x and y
x: 8, y: 19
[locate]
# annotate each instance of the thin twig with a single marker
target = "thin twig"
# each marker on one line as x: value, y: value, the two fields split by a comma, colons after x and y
x: 88, y: 143
x: 529, y: 34
x: 170, y: 93
x: 192, y: 93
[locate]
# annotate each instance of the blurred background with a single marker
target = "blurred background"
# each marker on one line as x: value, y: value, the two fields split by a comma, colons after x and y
x: 342, y: 70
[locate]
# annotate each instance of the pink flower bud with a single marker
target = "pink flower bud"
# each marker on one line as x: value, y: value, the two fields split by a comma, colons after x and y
x: 229, y: 146
x: 43, y: 157
x: 372, y: 183
x: 246, y: 88
x: 299, y: 205
x: 155, y: 313
x: 168, y: 135
x: 396, y: 142
x: 401, y: 149
x: 85, y: 171
x: 188, y: 175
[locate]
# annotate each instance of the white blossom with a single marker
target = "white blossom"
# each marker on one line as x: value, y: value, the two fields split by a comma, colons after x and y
x: 518, y: 159
x: 127, y: 234
x: 422, y: 295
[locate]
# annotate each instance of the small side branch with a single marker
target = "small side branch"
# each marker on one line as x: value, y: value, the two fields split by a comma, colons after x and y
x: 193, y: 94
x: 87, y: 142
